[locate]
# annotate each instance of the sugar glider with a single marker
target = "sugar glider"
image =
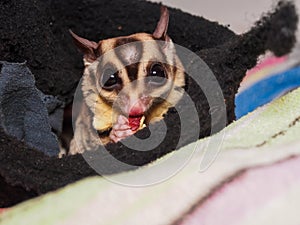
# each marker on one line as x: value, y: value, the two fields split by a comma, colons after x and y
x: 127, y: 83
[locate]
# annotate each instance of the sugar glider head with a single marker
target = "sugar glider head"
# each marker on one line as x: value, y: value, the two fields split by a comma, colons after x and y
x: 135, y: 75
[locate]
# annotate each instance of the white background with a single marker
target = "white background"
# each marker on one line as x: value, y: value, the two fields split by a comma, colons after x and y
x: 239, y: 14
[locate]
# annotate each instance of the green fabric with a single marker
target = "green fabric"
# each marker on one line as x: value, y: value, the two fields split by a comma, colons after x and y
x: 267, y: 135
x: 267, y: 125
x: 59, y: 204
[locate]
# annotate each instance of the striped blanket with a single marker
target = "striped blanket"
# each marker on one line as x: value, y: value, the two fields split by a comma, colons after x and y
x: 251, y: 177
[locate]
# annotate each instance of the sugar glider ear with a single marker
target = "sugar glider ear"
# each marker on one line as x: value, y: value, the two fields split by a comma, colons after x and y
x: 162, y: 25
x: 88, y: 48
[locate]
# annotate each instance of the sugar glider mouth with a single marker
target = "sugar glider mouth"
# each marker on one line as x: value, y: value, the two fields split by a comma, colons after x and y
x: 136, y: 121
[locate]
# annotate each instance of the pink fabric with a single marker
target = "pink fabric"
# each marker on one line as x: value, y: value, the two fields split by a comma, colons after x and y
x: 268, y: 62
x: 246, y: 194
x: 2, y: 210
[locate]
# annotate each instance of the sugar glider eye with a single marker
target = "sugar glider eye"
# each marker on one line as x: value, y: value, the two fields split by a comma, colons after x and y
x: 110, y: 80
x: 157, y: 74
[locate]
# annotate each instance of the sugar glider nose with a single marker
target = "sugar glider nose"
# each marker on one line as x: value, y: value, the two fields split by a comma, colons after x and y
x: 138, y: 108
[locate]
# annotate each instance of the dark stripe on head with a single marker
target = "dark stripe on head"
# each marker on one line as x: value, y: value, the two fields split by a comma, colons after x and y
x: 124, y: 40
x: 174, y: 65
x: 132, y: 71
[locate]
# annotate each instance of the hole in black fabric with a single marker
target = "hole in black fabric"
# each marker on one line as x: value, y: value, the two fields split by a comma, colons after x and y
x: 67, y: 131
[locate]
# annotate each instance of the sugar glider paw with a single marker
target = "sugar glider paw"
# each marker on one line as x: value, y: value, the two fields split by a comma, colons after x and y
x: 121, y: 129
